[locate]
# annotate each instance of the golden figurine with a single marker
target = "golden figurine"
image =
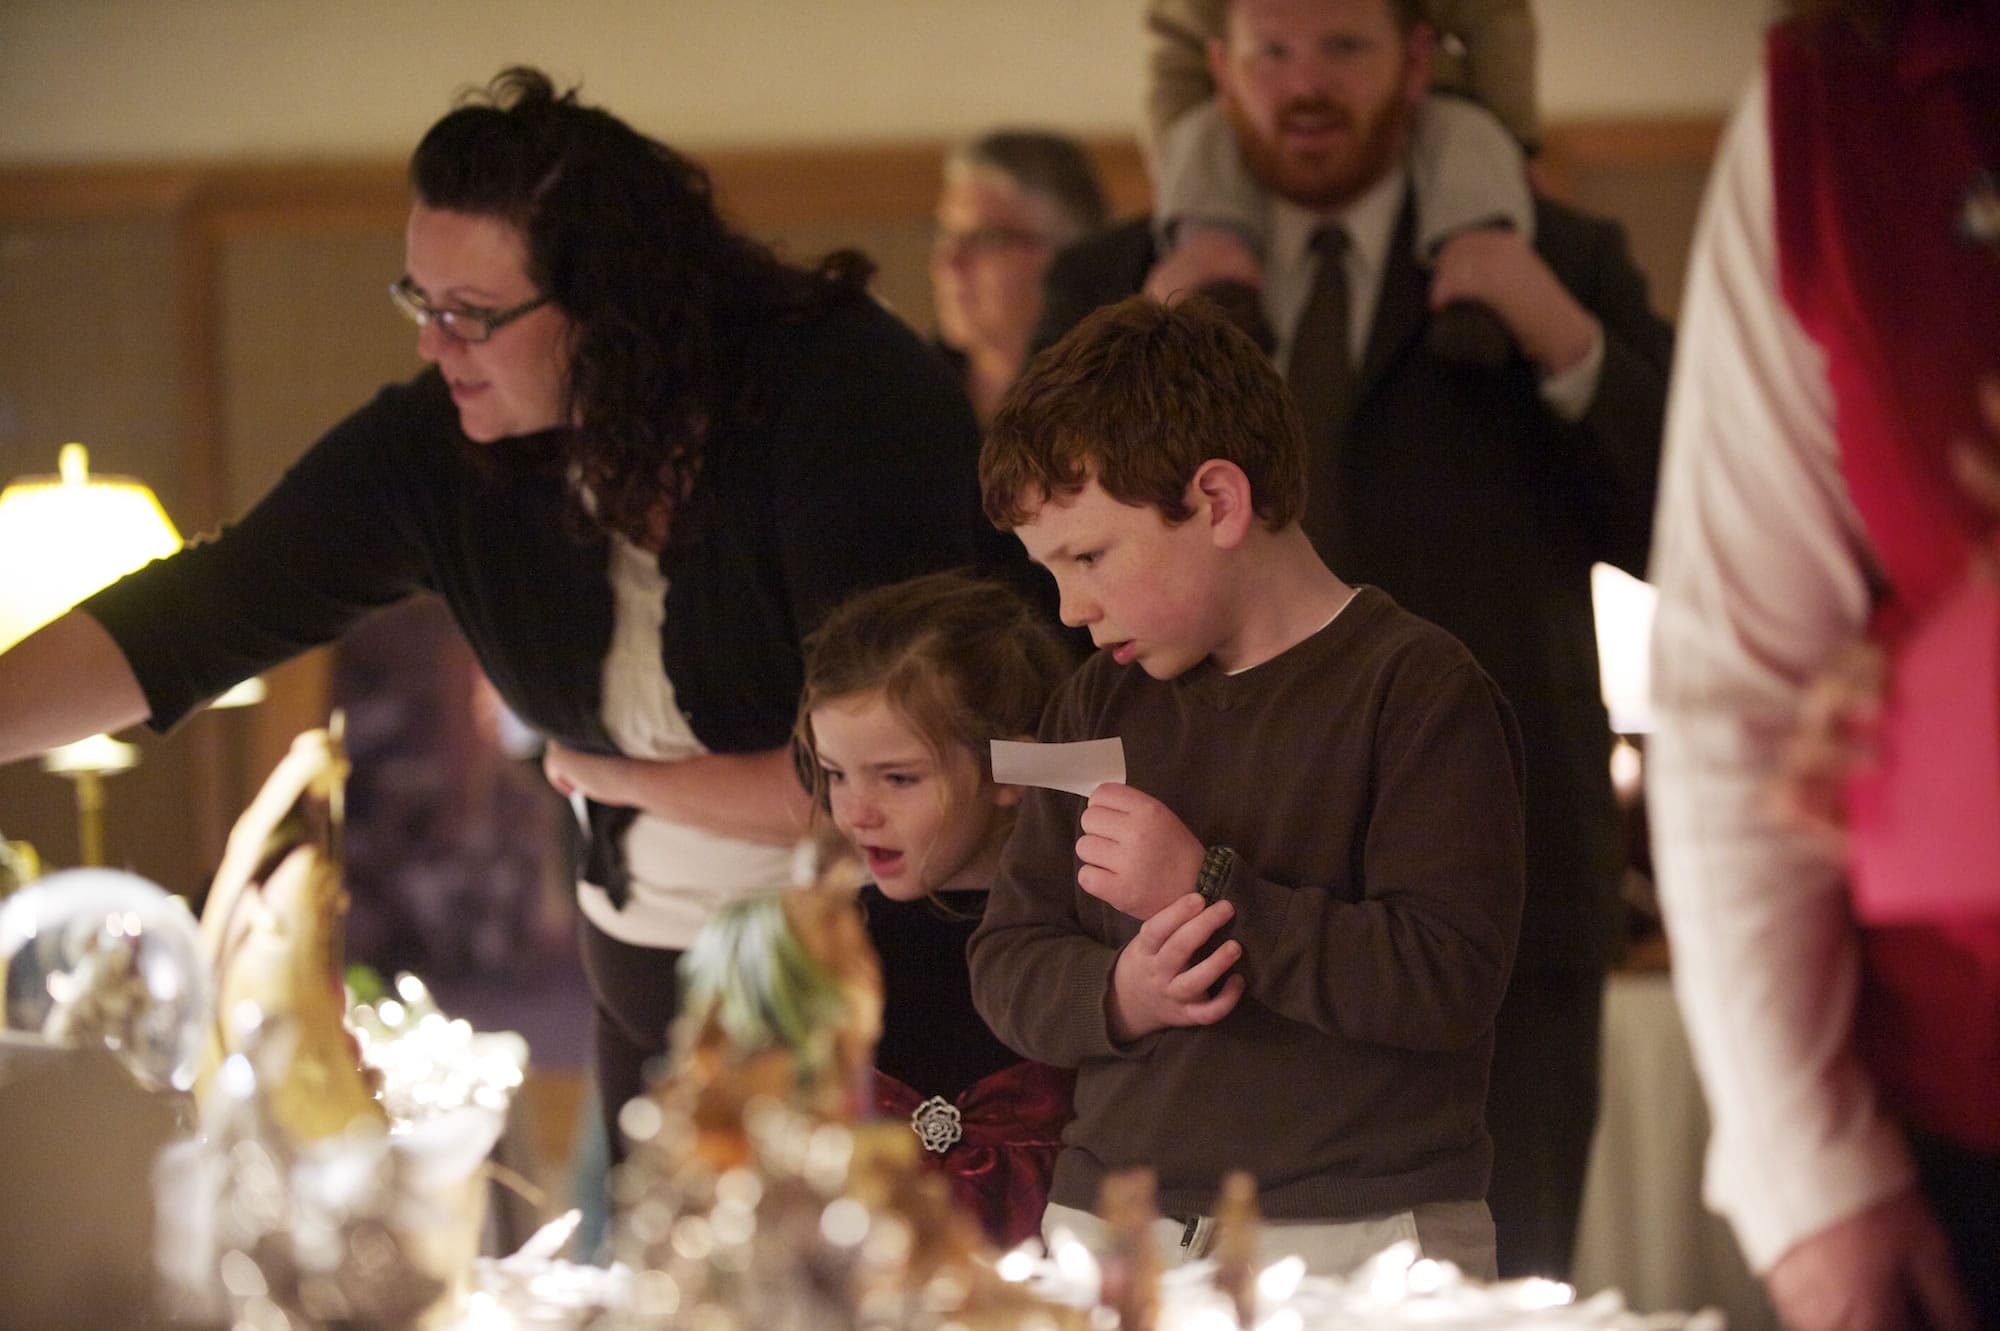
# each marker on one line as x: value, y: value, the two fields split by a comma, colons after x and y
x: 759, y: 1140
x: 272, y: 929
x: 1131, y: 1287
x: 781, y: 997
x: 1238, y: 1234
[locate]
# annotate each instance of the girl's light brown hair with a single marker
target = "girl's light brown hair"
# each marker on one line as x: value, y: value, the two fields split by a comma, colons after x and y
x: 963, y: 659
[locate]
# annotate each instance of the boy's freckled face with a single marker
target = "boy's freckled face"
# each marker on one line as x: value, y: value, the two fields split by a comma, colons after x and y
x: 1147, y: 591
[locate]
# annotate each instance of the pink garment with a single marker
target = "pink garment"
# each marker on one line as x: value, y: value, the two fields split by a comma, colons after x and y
x: 1907, y: 310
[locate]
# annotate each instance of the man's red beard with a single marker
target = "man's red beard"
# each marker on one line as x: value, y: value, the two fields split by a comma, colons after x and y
x: 1323, y: 180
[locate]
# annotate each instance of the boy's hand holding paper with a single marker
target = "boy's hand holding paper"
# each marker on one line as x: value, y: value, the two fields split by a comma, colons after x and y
x: 1138, y: 856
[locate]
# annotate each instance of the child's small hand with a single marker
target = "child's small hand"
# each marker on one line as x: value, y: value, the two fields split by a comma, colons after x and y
x: 1137, y: 855
x: 1153, y: 986
x: 1498, y: 268
x: 1204, y: 254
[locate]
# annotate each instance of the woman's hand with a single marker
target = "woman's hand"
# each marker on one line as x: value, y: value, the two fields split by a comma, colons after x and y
x: 573, y: 772
x: 749, y: 796
x: 1975, y: 464
x: 1833, y: 741
x: 1835, y: 735
x: 1887, y: 1267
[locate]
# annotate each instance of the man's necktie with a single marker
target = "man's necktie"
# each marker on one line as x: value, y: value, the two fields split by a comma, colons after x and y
x: 1321, y: 370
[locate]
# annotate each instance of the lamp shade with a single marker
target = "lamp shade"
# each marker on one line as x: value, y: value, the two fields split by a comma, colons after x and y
x: 62, y: 537
x: 1624, y: 607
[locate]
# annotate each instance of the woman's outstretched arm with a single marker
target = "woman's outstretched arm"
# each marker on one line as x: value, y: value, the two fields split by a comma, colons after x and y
x: 64, y: 682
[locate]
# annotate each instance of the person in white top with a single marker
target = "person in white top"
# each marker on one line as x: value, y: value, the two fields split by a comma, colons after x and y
x: 1768, y: 575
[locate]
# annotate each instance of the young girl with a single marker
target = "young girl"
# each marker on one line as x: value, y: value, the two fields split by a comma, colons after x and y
x: 905, y: 687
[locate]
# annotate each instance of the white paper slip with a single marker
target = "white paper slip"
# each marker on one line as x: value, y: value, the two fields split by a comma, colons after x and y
x: 1078, y: 768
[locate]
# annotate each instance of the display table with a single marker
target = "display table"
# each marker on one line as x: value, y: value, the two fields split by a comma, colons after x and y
x: 1644, y: 1229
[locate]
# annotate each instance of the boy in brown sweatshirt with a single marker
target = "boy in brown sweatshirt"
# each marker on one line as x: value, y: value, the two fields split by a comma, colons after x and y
x: 1280, y: 945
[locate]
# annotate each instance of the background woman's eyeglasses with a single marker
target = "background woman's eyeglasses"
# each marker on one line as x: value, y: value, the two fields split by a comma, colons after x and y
x: 981, y: 240
x: 466, y: 323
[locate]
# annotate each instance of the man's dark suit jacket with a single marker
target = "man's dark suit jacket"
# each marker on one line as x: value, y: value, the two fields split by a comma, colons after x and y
x: 1462, y: 495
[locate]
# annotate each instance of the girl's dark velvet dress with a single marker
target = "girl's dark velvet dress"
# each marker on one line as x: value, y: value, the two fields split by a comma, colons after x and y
x: 937, y: 1059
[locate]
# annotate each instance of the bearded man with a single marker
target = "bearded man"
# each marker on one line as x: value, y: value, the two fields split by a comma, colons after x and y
x: 1478, y: 496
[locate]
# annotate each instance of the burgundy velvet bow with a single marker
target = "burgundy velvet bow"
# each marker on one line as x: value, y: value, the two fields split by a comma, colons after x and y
x: 1010, y: 1128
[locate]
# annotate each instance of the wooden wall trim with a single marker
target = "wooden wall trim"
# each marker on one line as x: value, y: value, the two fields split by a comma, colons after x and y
x: 64, y: 193
x: 1580, y: 146
x: 761, y: 187
x: 1635, y: 142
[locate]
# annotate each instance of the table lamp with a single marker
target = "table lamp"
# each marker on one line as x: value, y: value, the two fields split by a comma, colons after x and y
x: 61, y: 538
x: 1624, y: 609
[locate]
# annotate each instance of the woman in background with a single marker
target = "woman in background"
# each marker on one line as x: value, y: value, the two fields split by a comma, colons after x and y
x: 1011, y: 199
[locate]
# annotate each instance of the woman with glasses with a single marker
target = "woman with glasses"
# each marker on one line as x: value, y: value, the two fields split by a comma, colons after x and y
x: 646, y: 458
x: 1011, y: 199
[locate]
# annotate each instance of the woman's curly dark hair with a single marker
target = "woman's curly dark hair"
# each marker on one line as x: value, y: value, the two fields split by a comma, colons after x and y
x: 664, y: 296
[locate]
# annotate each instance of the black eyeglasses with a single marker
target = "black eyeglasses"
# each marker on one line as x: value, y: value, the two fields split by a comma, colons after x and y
x: 465, y: 324
x: 984, y: 240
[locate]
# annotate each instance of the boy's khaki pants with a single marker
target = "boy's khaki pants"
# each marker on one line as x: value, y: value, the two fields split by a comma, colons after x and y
x: 1457, y: 1232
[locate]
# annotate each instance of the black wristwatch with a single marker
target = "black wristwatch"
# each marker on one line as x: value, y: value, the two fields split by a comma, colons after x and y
x: 1215, y: 867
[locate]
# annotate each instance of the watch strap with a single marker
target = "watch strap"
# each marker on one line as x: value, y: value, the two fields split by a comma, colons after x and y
x: 1216, y: 863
